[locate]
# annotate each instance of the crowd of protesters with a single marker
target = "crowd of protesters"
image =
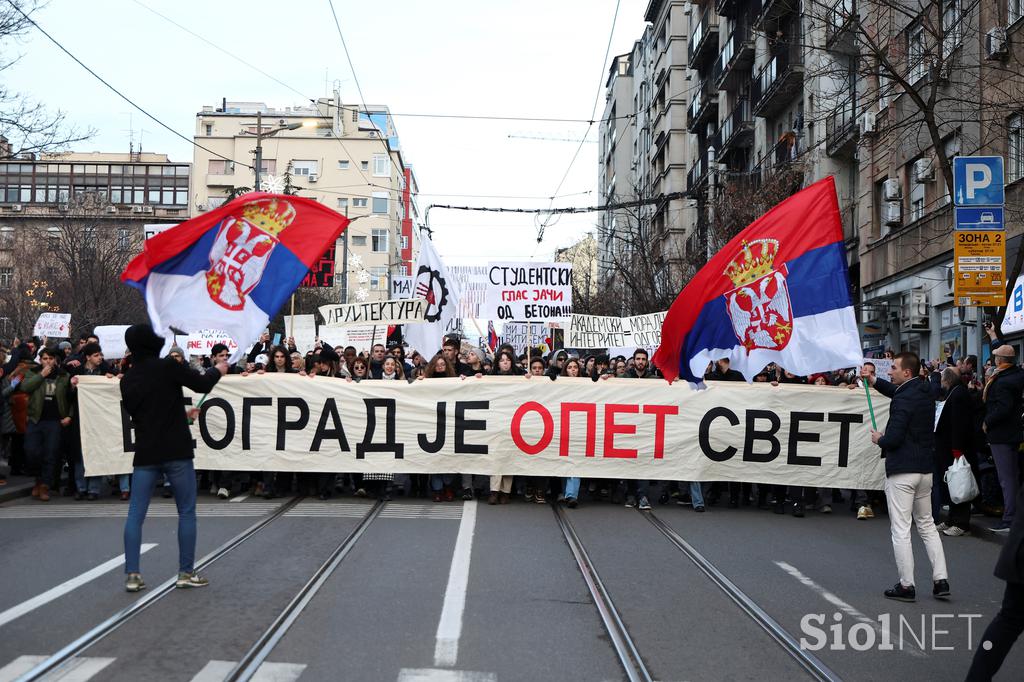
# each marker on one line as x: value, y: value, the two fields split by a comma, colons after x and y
x: 40, y: 432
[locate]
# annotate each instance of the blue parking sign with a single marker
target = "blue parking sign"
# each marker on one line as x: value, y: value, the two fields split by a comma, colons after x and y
x: 978, y: 181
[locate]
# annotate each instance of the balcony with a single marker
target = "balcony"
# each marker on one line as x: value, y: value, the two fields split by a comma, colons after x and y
x: 703, y: 107
x: 703, y: 40
x: 772, y: 10
x: 841, y: 130
x: 727, y: 8
x: 778, y: 82
x: 737, y: 129
x: 734, y: 62
x: 697, y: 177
x: 839, y: 27
x: 780, y: 159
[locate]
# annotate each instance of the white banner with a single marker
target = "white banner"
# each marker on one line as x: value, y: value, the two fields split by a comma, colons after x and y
x: 528, y: 291
x: 333, y: 336
x: 619, y: 428
x: 155, y: 229
x: 364, y: 338
x: 472, y: 281
x: 111, y: 338
x: 407, y: 311
x: 200, y: 342
x: 615, y: 333
x: 53, y: 325
x: 401, y: 286
x: 304, y: 331
x: 1013, y: 322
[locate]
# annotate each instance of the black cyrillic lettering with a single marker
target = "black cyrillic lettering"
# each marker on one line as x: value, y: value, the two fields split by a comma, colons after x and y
x: 796, y: 437
x: 844, y: 421
x: 127, y: 430
x: 336, y: 432
x: 389, y: 444
x: 247, y: 405
x: 438, y: 443
x: 705, y: 433
x: 229, y: 427
x: 462, y: 425
x: 283, y: 425
x: 752, y: 435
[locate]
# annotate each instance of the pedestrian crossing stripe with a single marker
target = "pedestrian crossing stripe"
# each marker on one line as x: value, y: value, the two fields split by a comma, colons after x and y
x: 215, y: 671
x: 84, y: 668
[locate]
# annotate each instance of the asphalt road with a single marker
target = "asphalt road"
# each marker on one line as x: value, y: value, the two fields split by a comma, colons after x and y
x: 476, y: 593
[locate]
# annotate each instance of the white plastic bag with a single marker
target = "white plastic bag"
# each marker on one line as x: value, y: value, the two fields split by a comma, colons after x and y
x: 960, y: 479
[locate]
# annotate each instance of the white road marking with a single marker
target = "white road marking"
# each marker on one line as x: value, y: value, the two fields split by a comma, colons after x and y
x: 239, y: 498
x: 65, y: 587
x: 75, y: 670
x: 215, y: 671
x: 449, y: 629
x: 441, y: 675
x: 843, y: 606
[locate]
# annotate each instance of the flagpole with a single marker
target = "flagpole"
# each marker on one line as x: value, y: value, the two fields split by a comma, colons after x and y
x: 871, y: 409
x: 291, y: 320
x: 529, y: 345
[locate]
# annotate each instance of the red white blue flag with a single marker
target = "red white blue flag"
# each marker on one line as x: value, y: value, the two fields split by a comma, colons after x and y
x: 232, y: 268
x: 778, y: 292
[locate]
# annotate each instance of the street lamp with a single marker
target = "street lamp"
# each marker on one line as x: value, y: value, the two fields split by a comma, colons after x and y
x: 309, y: 123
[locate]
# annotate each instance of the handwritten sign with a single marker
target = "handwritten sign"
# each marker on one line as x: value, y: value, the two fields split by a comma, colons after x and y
x: 635, y: 331
x: 203, y: 341
x: 111, y: 338
x: 401, y: 286
x: 53, y: 325
x: 529, y: 291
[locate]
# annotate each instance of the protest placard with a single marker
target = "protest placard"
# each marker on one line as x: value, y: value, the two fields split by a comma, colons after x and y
x: 333, y: 336
x: 399, y: 311
x: 528, y: 291
x: 522, y: 334
x: 200, y: 342
x: 53, y: 325
x: 472, y: 280
x: 149, y: 231
x: 401, y: 286
x: 303, y: 329
x: 364, y: 338
x: 111, y: 338
x: 615, y: 333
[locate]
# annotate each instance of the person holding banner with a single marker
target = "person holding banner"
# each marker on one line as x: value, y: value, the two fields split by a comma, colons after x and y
x: 908, y: 445
x: 49, y: 410
x: 571, y: 368
x: 501, y: 486
x: 152, y: 396
x: 440, y: 484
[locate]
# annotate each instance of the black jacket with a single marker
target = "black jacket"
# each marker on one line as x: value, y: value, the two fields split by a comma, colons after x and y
x: 729, y: 375
x: 1003, y: 402
x: 151, y: 394
x: 909, y: 441
x: 1010, y: 565
x: 955, y: 430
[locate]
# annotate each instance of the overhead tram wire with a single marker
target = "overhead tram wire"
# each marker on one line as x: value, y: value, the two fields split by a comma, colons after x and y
x: 115, y: 90
x: 593, y: 112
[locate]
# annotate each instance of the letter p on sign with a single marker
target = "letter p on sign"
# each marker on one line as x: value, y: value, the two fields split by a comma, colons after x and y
x: 978, y: 181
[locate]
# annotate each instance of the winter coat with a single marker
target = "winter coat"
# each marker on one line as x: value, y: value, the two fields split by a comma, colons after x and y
x: 1003, y: 402
x: 908, y: 444
x: 33, y: 384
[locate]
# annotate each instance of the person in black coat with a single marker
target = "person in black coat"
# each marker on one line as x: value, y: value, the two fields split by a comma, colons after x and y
x: 151, y: 395
x: 953, y: 435
x: 908, y: 448
x: 1008, y: 624
x: 1003, y: 404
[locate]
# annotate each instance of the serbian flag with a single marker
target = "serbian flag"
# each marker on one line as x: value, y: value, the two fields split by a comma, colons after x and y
x: 778, y: 292
x: 492, y: 336
x: 232, y: 268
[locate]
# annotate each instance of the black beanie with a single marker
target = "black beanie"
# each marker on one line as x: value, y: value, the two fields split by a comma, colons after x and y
x: 143, y: 341
x: 328, y: 354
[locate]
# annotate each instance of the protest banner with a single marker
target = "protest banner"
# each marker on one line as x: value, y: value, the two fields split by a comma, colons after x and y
x: 615, y: 333
x: 407, y: 311
x: 53, y: 325
x: 522, y: 334
x: 401, y: 286
x: 200, y: 342
x: 617, y: 429
x: 333, y: 336
x: 528, y: 291
x: 472, y: 280
x: 321, y: 274
x: 111, y: 338
x: 303, y: 329
x: 882, y: 366
x: 364, y: 338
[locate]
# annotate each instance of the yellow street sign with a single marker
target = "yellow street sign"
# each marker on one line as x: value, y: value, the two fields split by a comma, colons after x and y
x: 979, y: 267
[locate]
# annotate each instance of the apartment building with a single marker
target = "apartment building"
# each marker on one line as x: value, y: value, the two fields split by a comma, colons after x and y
x: 345, y: 156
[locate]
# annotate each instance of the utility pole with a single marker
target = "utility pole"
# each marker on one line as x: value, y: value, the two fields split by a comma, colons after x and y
x: 259, y: 148
x: 344, y: 261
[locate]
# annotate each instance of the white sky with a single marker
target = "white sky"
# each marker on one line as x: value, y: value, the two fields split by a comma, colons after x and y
x: 487, y: 57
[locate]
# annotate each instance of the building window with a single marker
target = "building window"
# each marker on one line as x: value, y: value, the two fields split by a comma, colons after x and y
x: 343, y: 203
x: 359, y: 240
x: 381, y: 166
x: 1015, y: 148
x: 380, y: 202
x: 404, y: 242
x: 6, y: 237
x: 268, y: 166
x: 343, y: 165
x: 6, y: 277
x: 380, y: 240
x: 364, y: 165
x: 915, y: 53
x: 359, y: 202
x: 304, y: 168
x: 951, y: 26
x: 916, y: 196
x: 209, y: 129
x: 124, y: 241
x: 220, y: 167
x: 379, y: 277
x: 1015, y: 10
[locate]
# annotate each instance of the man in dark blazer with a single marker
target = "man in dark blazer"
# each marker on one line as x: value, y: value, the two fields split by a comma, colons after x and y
x: 908, y: 448
x: 953, y: 435
x: 1003, y: 406
x: 1006, y: 627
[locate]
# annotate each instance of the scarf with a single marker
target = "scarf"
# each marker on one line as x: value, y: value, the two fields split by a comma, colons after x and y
x: 991, y: 380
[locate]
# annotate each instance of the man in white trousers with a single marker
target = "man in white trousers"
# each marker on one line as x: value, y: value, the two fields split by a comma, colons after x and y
x: 908, y: 446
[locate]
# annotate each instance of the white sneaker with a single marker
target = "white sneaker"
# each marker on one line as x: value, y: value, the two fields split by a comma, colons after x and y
x: 223, y: 493
x: 186, y: 580
x: 941, y: 526
x: 955, y: 532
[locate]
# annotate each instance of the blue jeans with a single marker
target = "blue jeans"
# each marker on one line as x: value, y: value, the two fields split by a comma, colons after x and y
x: 86, y: 484
x: 182, y: 476
x: 696, y: 494
x: 439, y: 481
x: 124, y: 483
x: 42, y: 449
x: 572, y: 487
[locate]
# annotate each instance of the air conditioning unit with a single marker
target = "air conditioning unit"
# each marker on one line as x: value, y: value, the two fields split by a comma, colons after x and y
x: 867, y: 123
x: 111, y: 209
x: 914, y: 311
x: 924, y: 170
x: 201, y: 207
x: 891, y: 190
x: 995, y: 43
x: 16, y: 207
x: 136, y: 209
x: 62, y: 208
x: 147, y: 209
x: 892, y: 213
x: 313, y: 177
